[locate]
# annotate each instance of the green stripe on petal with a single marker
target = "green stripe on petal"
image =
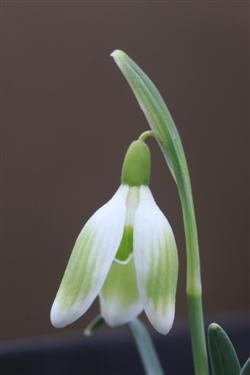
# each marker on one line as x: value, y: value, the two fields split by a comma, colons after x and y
x: 156, y: 262
x: 119, y: 298
x: 90, y: 261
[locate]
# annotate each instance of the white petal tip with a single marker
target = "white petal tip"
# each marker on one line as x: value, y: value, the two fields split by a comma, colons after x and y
x: 113, y: 318
x: 56, y: 317
x: 162, y: 324
x: 124, y: 262
x: 61, y: 318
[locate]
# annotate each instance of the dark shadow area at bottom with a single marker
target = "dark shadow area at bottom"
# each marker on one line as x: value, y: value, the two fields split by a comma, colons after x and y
x: 108, y: 353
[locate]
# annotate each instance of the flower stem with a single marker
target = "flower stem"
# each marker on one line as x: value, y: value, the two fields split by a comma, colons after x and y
x: 197, y: 334
x: 193, y: 288
x: 145, y: 346
x: 143, y: 341
x: 145, y: 135
x: 168, y: 138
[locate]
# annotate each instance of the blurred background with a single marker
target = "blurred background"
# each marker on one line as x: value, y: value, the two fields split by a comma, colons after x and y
x: 68, y: 116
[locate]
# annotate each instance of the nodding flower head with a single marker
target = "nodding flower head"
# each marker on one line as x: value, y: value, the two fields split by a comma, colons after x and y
x: 126, y: 253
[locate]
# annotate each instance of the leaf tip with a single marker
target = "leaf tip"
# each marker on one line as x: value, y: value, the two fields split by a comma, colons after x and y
x: 213, y: 327
x: 87, y: 332
x: 117, y: 55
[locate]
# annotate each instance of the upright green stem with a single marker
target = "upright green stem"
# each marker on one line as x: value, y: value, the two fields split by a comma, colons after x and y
x: 143, y: 341
x: 197, y: 334
x: 162, y: 124
x: 194, y: 290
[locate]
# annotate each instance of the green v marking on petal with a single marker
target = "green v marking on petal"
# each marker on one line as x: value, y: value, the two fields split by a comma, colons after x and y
x: 126, y: 245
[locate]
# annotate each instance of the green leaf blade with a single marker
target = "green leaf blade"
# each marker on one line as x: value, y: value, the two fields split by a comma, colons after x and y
x: 167, y: 136
x: 223, y: 357
x: 94, y: 325
x: 246, y: 368
x: 154, y: 109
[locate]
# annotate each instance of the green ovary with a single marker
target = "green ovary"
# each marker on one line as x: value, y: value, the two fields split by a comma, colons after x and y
x: 136, y: 167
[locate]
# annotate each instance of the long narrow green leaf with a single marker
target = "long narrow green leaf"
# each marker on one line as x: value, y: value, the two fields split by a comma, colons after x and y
x: 224, y: 360
x: 94, y: 325
x: 162, y: 124
x: 246, y: 368
x: 145, y: 348
x: 155, y: 110
x: 167, y: 136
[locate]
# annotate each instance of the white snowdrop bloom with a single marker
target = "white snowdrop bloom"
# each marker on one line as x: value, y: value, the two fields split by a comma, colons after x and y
x: 126, y: 253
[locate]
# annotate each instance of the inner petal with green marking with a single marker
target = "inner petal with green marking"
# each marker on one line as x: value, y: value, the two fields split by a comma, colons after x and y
x: 125, y: 249
x: 120, y: 300
x: 126, y: 245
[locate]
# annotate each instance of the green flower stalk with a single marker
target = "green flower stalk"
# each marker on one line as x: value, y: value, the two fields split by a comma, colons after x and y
x: 126, y: 253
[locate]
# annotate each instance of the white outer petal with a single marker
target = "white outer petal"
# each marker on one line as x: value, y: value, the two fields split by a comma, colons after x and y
x: 156, y: 262
x: 90, y: 261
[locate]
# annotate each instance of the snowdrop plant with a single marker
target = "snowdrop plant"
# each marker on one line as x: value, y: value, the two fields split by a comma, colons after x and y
x: 126, y: 252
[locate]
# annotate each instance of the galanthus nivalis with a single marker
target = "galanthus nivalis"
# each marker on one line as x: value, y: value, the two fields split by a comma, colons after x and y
x: 126, y: 253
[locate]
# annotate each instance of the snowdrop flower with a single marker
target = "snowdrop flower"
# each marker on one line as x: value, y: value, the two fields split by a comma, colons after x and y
x: 126, y: 253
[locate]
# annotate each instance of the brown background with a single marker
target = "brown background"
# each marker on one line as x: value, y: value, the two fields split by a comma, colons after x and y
x: 68, y: 117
